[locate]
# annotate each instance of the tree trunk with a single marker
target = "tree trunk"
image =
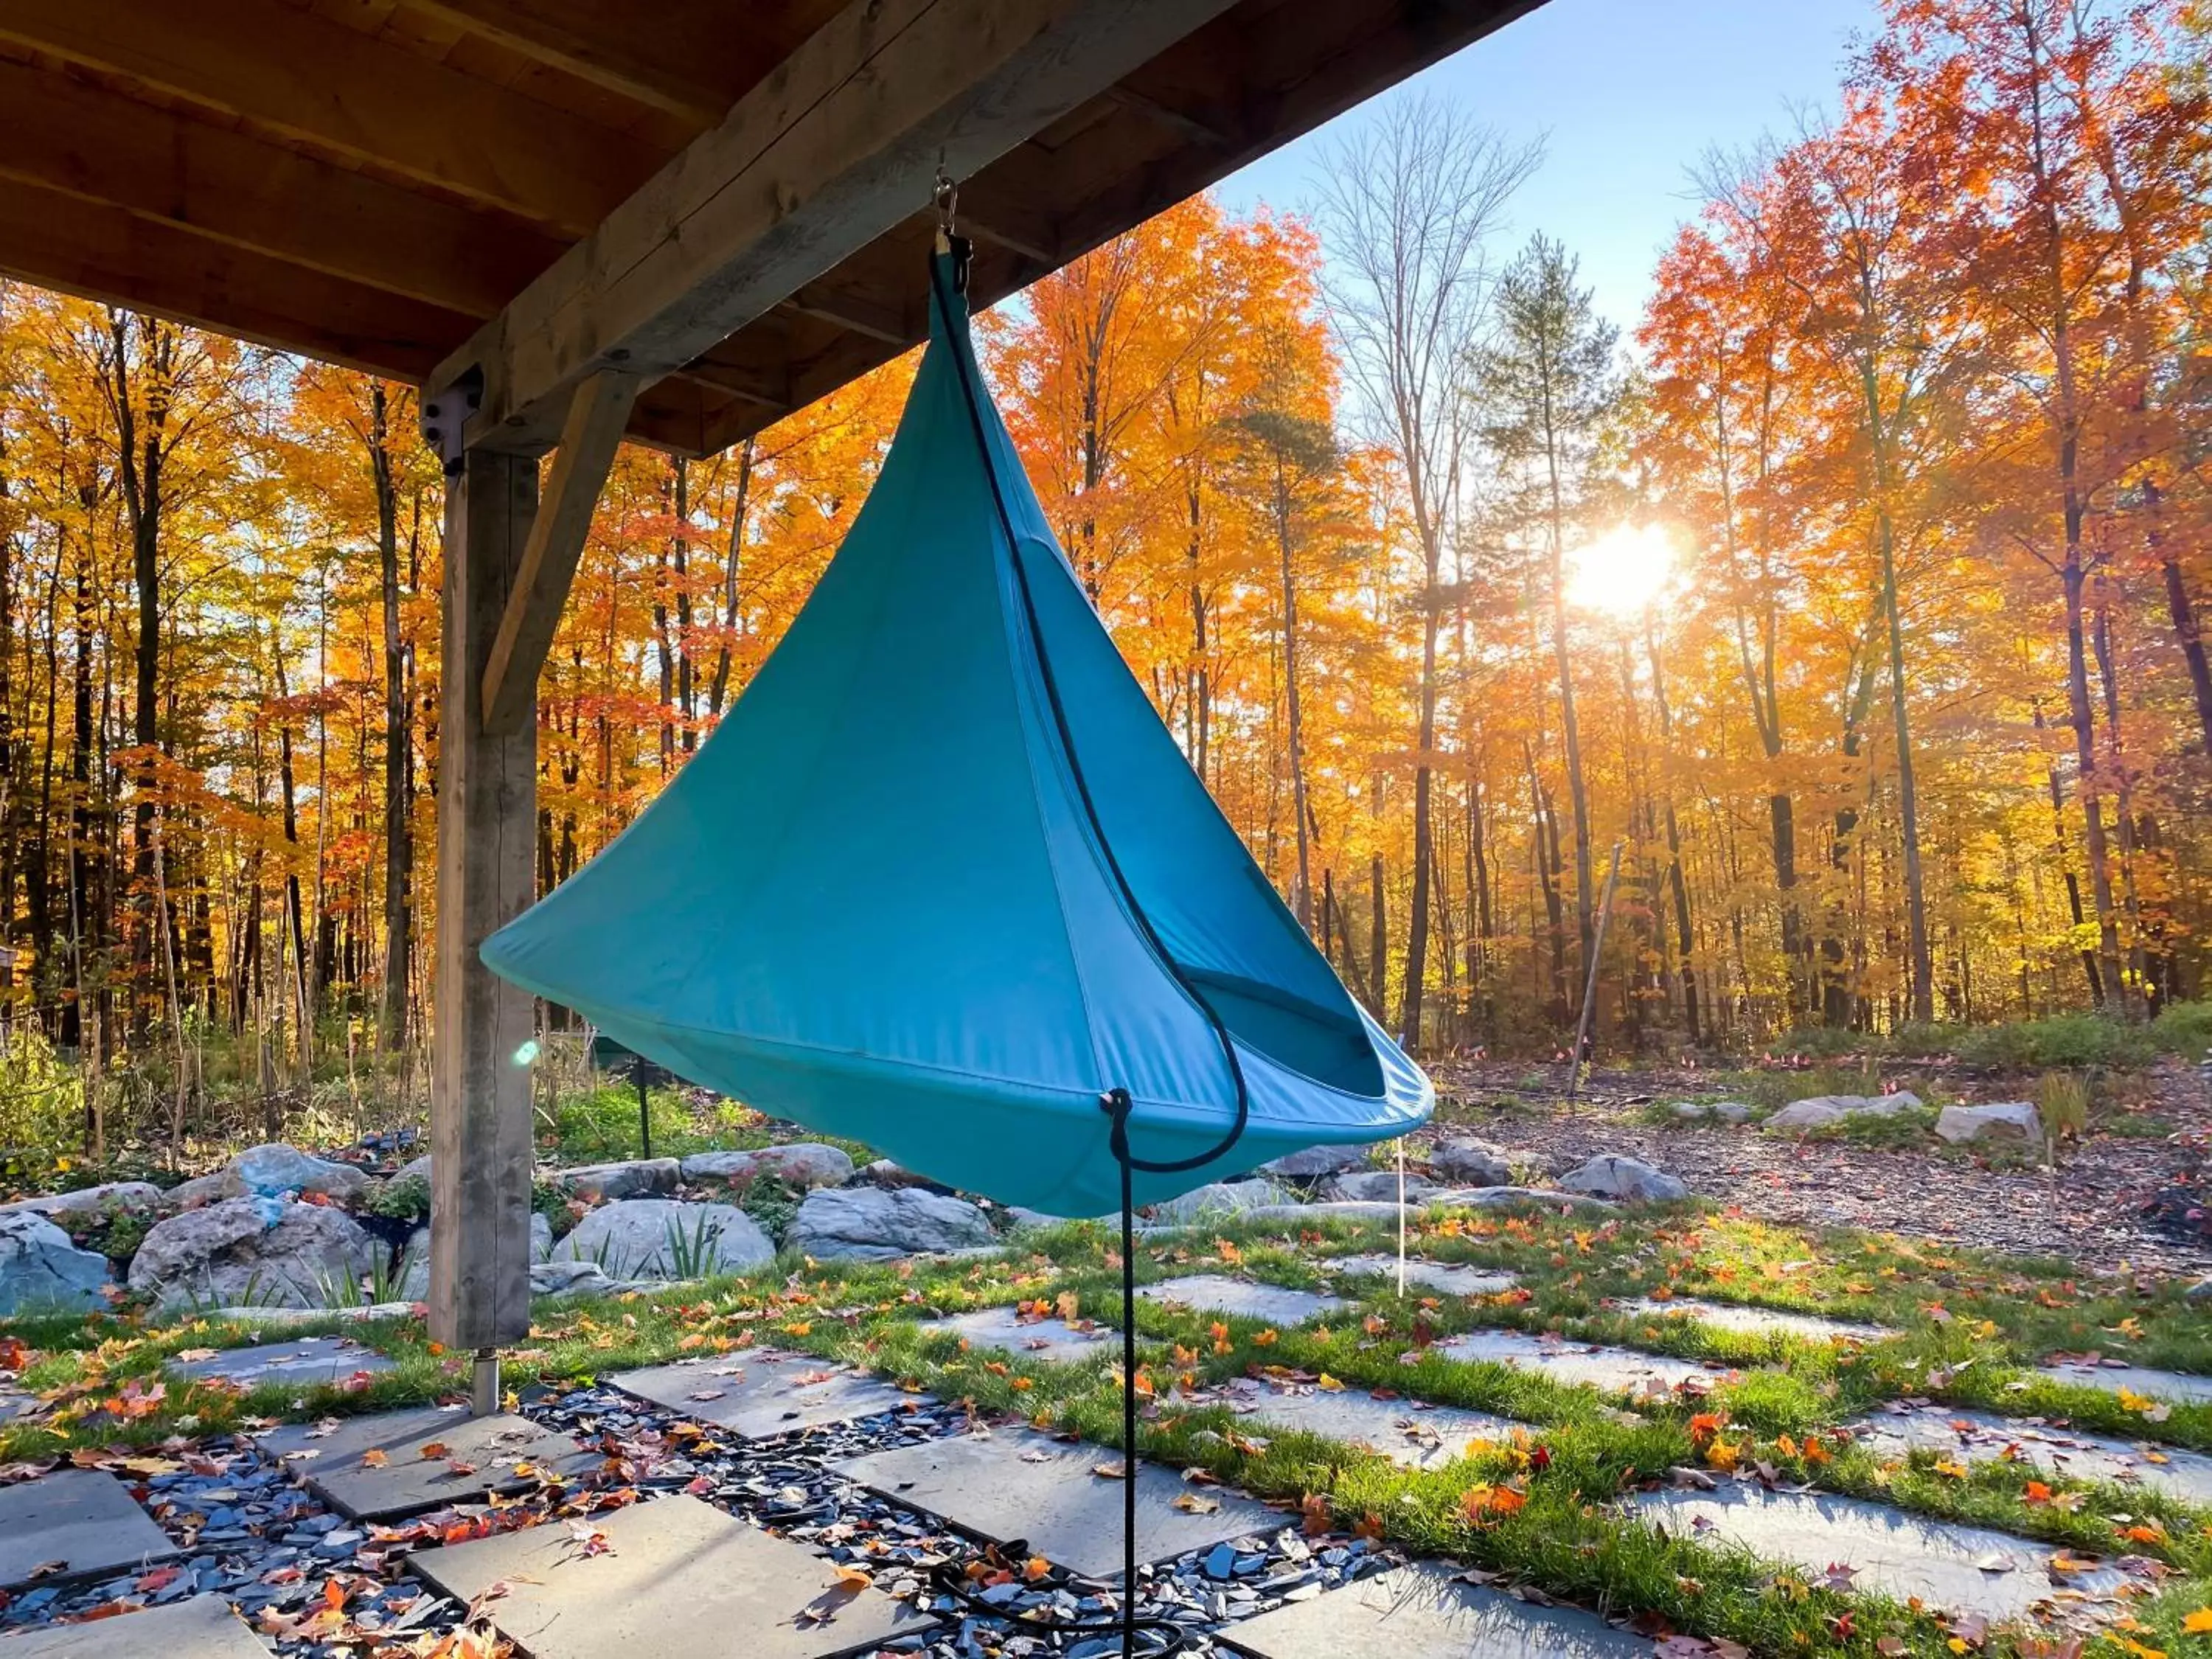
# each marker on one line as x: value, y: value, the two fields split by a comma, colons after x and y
x: 398, y: 739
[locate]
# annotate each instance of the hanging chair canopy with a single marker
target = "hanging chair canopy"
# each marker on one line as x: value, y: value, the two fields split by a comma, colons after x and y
x: 941, y: 880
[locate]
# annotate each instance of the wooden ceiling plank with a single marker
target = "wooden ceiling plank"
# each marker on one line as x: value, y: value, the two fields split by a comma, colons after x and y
x: 666, y: 60
x: 63, y: 133
x: 834, y: 150
x: 354, y: 96
x: 105, y: 254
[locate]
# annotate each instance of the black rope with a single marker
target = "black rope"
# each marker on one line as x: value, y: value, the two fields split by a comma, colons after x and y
x: 1115, y: 1101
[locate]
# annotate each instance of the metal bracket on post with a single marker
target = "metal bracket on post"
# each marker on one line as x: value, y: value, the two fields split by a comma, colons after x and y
x: 483, y: 1388
x: 445, y: 418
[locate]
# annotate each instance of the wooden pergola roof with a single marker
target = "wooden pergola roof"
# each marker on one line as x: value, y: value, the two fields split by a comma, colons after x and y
x: 373, y: 182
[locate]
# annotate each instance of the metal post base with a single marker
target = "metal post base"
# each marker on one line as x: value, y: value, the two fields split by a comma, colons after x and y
x: 483, y: 1388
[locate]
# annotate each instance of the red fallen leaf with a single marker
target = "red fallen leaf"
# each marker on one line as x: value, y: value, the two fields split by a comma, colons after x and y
x: 160, y: 1579
x: 1313, y: 1508
x: 700, y: 1486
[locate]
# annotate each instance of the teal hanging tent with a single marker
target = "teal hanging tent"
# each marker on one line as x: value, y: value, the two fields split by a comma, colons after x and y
x: 942, y: 882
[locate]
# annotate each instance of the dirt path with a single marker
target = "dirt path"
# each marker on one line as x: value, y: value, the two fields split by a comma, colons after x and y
x: 2090, y: 1214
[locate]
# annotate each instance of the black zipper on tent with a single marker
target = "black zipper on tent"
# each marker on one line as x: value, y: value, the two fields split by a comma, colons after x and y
x: 1115, y: 1101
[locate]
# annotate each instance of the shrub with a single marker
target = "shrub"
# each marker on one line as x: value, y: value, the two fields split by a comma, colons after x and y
x: 2062, y: 1041
x: 2183, y: 1028
x: 398, y: 1200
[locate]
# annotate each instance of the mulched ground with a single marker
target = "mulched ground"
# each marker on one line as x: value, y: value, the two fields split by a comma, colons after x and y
x: 2091, y: 1212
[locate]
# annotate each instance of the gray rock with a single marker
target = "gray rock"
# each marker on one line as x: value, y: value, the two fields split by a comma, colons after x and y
x: 108, y: 1195
x: 1314, y: 1162
x: 1217, y: 1200
x: 2200, y: 1291
x: 874, y: 1224
x: 663, y: 1238
x: 1610, y: 1175
x: 803, y: 1163
x: 637, y: 1178
x: 1819, y: 1110
x: 585, y: 1281
x: 416, y: 1169
x: 41, y: 1269
x: 1470, y: 1163
x: 250, y: 1251
x: 2010, y: 1120
x: 1724, y: 1111
x: 267, y: 1170
x: 1377, y: 1186
x: 415, y: 1260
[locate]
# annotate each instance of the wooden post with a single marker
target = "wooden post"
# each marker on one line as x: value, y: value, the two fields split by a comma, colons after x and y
x: 487, y: 815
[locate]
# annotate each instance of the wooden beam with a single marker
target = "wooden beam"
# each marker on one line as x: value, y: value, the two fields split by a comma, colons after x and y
x: 105, y: 254
x: 351, y: 95
x: 60, y: 131
x: 589, y: 437
x: 480, y: 1139
x: 834, y: 150
x: 690, y: 60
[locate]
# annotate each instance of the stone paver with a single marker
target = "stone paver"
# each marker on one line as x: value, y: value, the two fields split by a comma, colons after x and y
x: 670, y: 1578
x: 1421, y: 1437
x: 306, y: 1362
x: 1427, y: 1612
x: 1983, y: 1437
x: 2180, y: 1386
x: 1055, y: 1339
x: 204, y: 1627
x: 1015, y: 1483
x: 760, y: 1394
x: 73, y: 1522
x: 1958, y: 1569
x: 1616, y: 1371
x: 375, y: 1468
x: 1756, y: 1322
x: 1452, y: 1280
x: 1246, y: 1299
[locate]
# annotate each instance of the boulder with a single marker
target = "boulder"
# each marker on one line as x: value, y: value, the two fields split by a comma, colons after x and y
x: 802, y: 1163
x: 108, y: 1195
x: 1377, y: 1186
x: 251, y: 1251
x: 1469, y: 1163
x: 638, y: 1178
x: 416, y: 1169
x: 1821, y: 1111
x: 42, y: 1271
x: 1314, y: 1162
x: 271, y: 1169
x: 665, y: 1238
x: 1724, y: 1111
x: 2010, y: 1120
x: 1610, y: 1176
x: 415, y: 1260
x: 1217, y: 1200
x: 875, y: 1224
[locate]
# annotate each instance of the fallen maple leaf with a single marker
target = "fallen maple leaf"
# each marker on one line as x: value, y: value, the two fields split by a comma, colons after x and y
x: 374, y: 1458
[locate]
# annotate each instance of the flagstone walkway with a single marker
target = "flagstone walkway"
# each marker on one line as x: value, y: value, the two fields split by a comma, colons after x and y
x: 798, y: 1505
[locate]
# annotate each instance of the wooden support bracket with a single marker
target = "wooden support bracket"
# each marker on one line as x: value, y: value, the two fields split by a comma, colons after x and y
x: 597, y: 411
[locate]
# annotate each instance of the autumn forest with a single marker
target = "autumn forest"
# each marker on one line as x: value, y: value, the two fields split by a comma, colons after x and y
x: 1821, y: 648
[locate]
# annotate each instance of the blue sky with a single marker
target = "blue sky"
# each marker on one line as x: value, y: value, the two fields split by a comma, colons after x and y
x: 1631, y: 92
